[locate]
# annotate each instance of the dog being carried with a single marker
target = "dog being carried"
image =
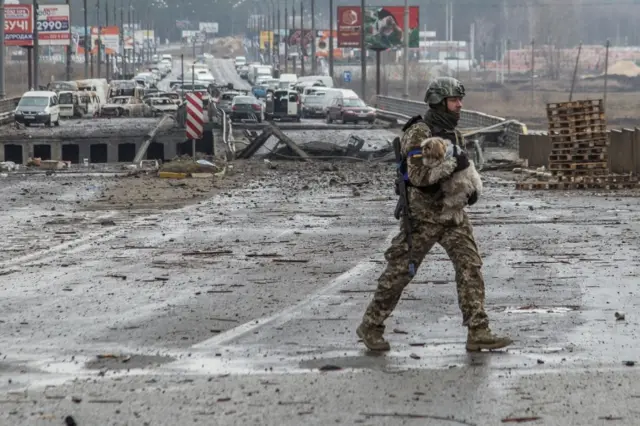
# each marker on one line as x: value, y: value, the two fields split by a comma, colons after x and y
x: 439, y: 156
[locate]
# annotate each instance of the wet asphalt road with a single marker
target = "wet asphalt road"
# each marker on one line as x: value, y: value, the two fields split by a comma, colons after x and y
x: 224, y: 312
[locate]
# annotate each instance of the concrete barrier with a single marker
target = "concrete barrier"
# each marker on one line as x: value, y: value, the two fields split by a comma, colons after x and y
x: 623, y: 150
x: 536, y: 148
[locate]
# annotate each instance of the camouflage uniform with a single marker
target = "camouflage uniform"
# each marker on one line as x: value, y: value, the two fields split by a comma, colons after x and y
x: 426, y: 230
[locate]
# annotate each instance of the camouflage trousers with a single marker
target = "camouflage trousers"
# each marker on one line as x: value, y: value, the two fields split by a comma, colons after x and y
x: 460, y: 245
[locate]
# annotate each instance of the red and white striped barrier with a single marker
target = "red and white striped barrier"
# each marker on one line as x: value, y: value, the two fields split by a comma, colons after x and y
x: 195, y: 116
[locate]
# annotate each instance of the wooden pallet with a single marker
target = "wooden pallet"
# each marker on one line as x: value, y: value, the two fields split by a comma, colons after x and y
x: 586, y: 103
x: 532, y: 186
x: 577, y: 118
x: 601, y: 143
x: 554, y: 137
x: 580, y: 125
x: 597, y: 178
x: 579, y: 173
x: 580, y: 151
x: 572, y: 165
x: 561, y: 158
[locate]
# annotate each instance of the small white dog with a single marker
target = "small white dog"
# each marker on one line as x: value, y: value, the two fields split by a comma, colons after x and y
x: 437, y: 155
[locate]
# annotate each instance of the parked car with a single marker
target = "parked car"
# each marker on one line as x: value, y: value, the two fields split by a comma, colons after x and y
x: 38, y: 106
x: 226, y: 99
x: 243, y: 72
x: 350, y: 110
x: 162, y: 105
x: 246, y: 108
x: 313, y: 106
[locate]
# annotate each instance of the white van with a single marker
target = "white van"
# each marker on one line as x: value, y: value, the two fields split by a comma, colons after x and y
x: 325, y: 79
x: 38, y: 106
x: 287, y: 80
x: 331, y: 94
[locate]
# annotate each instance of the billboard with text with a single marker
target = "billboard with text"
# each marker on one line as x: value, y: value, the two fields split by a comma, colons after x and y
x: 53, y: 25
x: 383, y: 26
x: 18, y: 25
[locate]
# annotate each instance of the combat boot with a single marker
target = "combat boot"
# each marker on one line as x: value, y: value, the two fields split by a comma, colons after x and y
x: 372, y: 338
x: 483, y: 338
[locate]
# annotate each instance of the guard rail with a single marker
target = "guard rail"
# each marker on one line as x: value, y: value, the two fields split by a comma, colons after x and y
x: 227, y: 135
x: 468, y: 119
x: 7, y: 106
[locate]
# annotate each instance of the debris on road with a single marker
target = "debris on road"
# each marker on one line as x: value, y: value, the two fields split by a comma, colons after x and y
x: 620, y: 316
x: 520, y: 419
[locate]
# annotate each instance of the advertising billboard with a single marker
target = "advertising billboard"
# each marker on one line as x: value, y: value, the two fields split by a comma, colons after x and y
x: 383, y: 27
x: 18, y: 25
x: 208, y: 27
x: 53, y: 25
x: 109, y: 37
x: 266, y: 39
x: 296, y: 35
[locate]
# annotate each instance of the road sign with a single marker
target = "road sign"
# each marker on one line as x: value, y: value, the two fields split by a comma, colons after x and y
x: 346, y: 76
x: 195, y: 116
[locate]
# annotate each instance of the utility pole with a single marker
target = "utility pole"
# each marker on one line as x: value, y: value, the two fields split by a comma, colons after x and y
x: 106, y: 24
x: 87, y: 41
x: 293, y: 27
x: 133, y: 42
x: 303, y: 48
x: 405, y: 52
x: 2, y: 51
x: 99, y: 38
x: 68, y: 48
x: 363, y: 55
x: 123, y: 62
x: 36, y: 46
x: 279, y: 38
x: 314, y: 61
x: 331, y: 38
x: 286, y: 36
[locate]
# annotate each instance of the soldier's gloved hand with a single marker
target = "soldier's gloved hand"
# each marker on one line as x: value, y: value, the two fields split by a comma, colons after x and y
x: 461, y: 158
x: 473, y: 198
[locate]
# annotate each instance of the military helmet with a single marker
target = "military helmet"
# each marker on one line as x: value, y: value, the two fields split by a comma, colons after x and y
x: 442, y: 88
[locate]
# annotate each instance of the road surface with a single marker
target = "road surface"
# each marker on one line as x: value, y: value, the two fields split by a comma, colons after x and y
x: 240, y: 307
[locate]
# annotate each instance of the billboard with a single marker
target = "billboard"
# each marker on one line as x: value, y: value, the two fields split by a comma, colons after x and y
x: 266, y: 39
x: 296, y: 35
x: 322, y: 44
x: 109, y: 37
x: 383, y: 27
x: 53, y: 25
x: 208, y: 27
x: 18, y: 25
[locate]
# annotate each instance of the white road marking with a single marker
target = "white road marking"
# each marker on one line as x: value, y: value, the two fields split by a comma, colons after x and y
x: 287, y: 314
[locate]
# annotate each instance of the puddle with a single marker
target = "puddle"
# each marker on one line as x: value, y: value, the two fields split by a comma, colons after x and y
x: 531, y: 309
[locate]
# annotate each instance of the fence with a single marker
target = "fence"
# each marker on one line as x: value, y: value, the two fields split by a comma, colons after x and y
x: 7, y: 106
x: 623, y: 150
x: 469, y: 119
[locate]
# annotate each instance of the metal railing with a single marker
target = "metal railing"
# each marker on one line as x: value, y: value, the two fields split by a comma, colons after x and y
x: 7, y: 106
x: 227, y: 134
x: 468, y: 119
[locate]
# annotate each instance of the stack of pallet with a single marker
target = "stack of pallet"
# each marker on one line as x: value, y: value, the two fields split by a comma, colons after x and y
x: 579, y: 142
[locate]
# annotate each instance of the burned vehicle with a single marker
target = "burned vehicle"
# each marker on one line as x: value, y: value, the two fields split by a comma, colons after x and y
x: 161, y: 105
x: 125, y: 106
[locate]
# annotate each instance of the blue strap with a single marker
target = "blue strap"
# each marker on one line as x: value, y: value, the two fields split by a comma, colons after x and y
x: 414, y: 152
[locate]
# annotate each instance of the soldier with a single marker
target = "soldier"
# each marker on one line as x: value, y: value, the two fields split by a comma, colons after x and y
x: 444, y: 96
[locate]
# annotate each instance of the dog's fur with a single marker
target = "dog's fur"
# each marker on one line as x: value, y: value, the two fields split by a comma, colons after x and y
x: 456, y: 187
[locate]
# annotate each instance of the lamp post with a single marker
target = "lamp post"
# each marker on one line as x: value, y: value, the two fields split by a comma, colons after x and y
x: 87, y: 41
